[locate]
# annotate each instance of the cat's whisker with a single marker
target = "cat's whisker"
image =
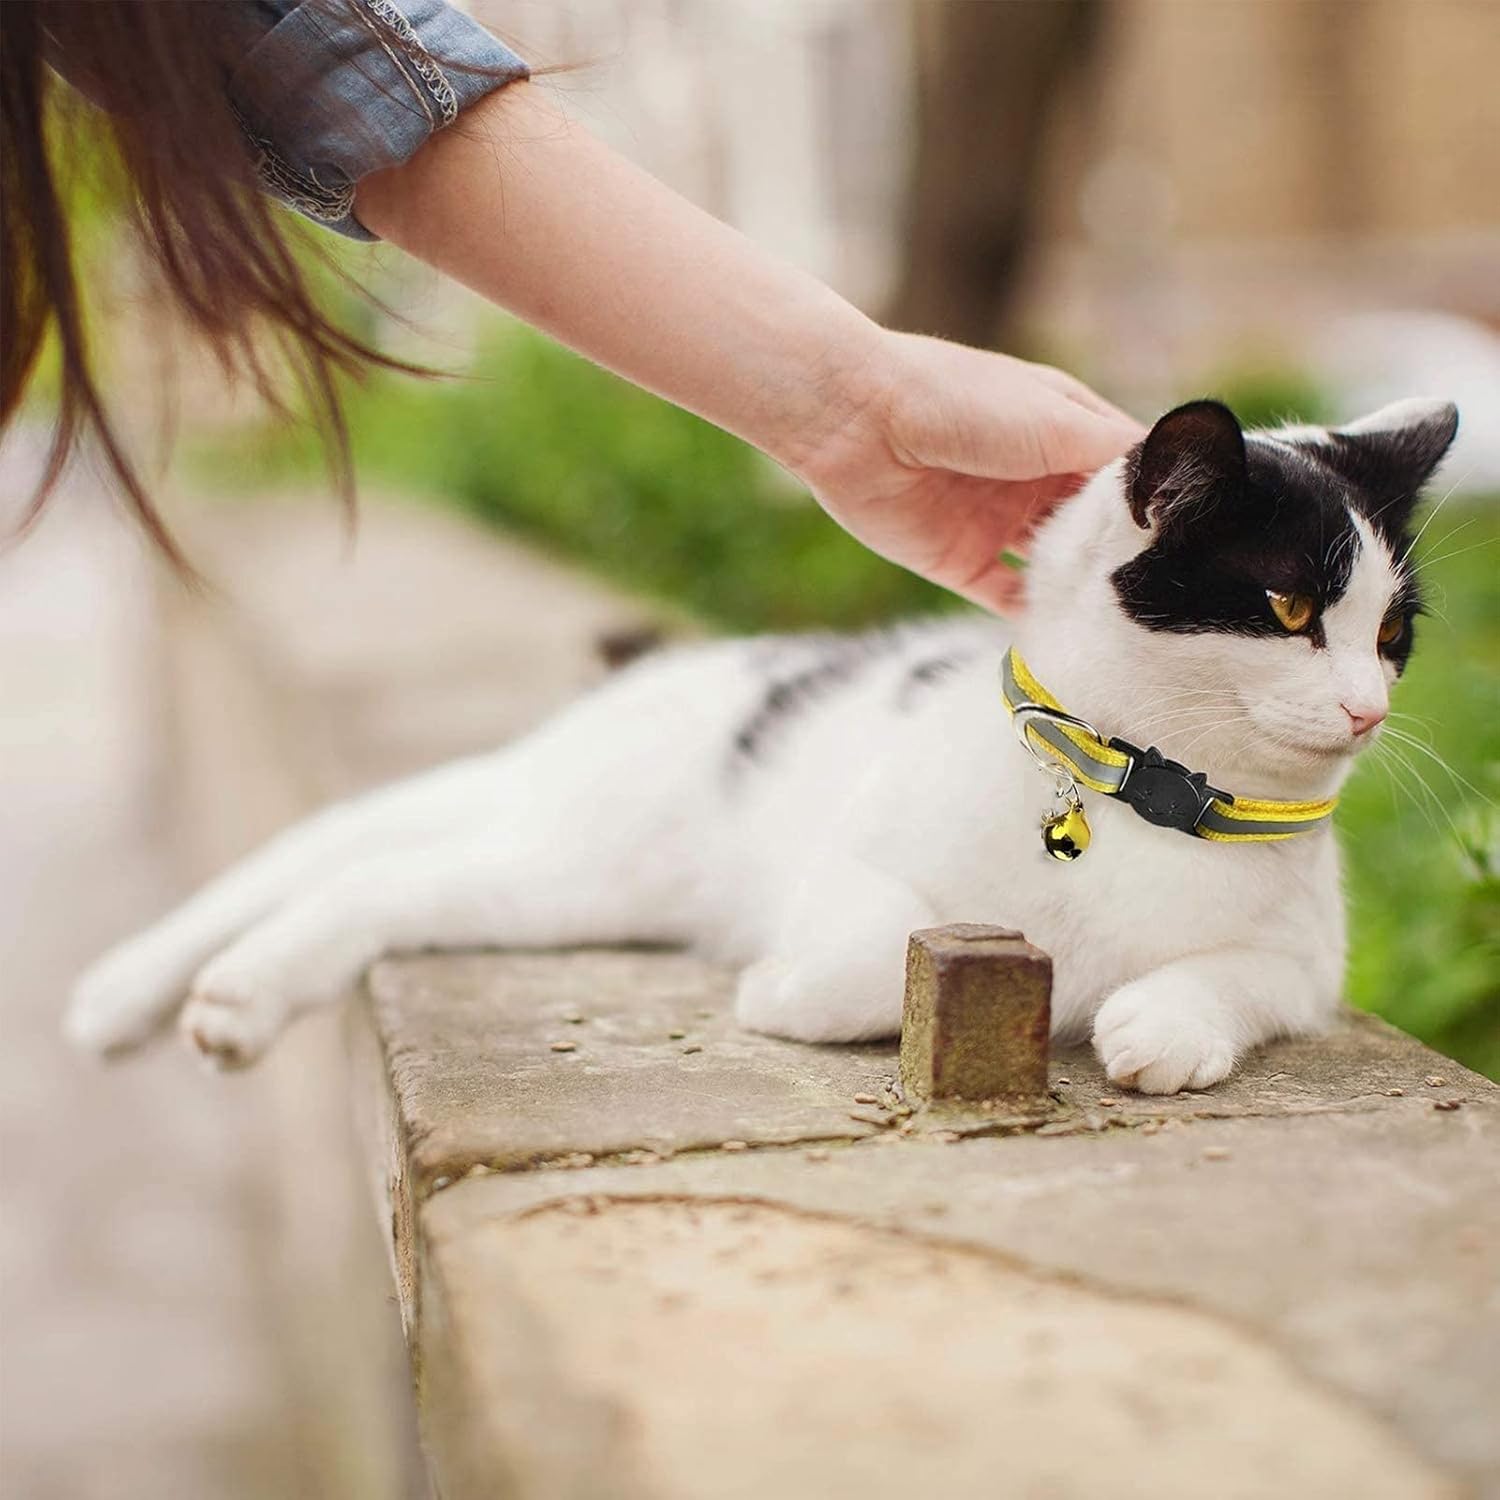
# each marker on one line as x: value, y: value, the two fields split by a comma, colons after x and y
x: 1400, y: 770
x: 1457, y: 777
x: 1446, y: 537
x: 1428, y: 562
x: 1177, y: 718
x: 1381, y: 757
x: 1203, y: 734
x: 1400, y: 716
x: 1432, y: 515
x: 1429, y: 607
x: 1433, y: 800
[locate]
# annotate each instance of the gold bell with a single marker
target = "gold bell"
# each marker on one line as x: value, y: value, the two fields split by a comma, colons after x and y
x: 1066, y: 834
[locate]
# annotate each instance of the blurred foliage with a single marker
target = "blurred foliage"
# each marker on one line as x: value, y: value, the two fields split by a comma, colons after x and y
x: 546, y: 445
x: 550, y: 447
x: 1421, y: 830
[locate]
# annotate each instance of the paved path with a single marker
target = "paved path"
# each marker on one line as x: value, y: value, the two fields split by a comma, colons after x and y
x: 195, y: 1301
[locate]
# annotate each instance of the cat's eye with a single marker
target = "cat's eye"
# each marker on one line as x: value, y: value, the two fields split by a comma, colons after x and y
x: 1390, y: 629
x: 1294, y: 611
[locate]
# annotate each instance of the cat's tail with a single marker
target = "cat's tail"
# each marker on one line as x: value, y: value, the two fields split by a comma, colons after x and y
x: 137, y: 987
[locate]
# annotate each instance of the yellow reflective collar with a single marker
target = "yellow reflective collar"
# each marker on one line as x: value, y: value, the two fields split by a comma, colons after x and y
x: 1160, y: 790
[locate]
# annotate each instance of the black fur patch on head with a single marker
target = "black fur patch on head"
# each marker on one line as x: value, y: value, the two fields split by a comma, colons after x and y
x: 1234, y: 519
x: 1387, y: 468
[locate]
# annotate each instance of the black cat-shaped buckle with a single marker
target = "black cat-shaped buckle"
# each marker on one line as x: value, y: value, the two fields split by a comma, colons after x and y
x: 1164, y: 791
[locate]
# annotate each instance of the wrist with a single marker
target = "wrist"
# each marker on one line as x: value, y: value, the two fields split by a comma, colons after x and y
x: 840, y: 394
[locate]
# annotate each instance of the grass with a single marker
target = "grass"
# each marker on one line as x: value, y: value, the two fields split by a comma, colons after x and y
x: 546, y: 446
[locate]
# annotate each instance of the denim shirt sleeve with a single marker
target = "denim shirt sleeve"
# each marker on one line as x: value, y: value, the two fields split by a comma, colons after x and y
x: 334, y: 91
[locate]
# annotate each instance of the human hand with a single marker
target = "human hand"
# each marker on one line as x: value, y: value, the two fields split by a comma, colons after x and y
x: 943, y: 457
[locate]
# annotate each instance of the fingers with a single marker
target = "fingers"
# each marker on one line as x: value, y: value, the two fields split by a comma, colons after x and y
x: 1012, y: 513
x: 1075, y: 390
x: 1075, y: 439
x: 999, y: 589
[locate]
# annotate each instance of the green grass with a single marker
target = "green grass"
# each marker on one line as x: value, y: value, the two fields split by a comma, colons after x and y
x: 545, y: 445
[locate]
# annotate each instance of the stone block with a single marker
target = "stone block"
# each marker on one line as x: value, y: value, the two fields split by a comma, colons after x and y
x: 977, y: 1015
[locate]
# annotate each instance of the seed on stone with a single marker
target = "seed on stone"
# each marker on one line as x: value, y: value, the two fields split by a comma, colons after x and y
x: 676, y: 1036
x: 573, y: 1018
x: 864, y: 1117
x: 1216, y: 1153
x: 1433, y: 1081
x: 441, y: 1182
x: 1108, y: 1103
x: 704, y: 1015
x: 818, y: 1153
x: 565, y: 1046
x: 945, y: 1137
x: 1064, y: 1083
x: 691, y: 1048
x: 866, y: 1099
x: 1151, y: 1127
x: 1447, y: 1104
x: 1395, y: 1093
x: 735, y: 1146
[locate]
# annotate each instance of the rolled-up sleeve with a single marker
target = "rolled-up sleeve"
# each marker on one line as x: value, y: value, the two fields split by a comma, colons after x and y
x: 338, y: 89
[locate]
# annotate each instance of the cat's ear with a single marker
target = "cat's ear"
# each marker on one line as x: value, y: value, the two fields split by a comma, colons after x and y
x: 1191, y: 461
x: 1392, y: 453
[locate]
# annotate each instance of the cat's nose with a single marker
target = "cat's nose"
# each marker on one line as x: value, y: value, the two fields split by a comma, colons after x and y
x: 1363, y: 717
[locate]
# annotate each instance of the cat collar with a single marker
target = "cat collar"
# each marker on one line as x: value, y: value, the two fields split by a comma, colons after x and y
x: 1159, y: 790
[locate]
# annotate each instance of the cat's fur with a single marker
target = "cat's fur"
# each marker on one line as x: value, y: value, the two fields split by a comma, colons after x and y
x: 799, y: 805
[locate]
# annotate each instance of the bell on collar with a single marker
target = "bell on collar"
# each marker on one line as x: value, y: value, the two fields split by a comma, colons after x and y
x: 1066, y: 833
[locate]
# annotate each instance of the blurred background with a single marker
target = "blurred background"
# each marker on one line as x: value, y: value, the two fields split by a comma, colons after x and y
x: 1291, y: 204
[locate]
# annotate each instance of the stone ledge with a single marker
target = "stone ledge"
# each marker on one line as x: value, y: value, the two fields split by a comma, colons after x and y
x: 1316, y: 1213
x: 523, y: 1060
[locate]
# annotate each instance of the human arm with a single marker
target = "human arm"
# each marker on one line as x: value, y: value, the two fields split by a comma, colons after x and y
x: 934, y: 455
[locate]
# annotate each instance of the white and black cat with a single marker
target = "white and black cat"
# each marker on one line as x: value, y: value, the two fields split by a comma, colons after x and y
x: 799, y: 805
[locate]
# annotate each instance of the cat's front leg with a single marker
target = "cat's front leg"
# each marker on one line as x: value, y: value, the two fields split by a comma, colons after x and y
x: 316, y: 946
x: 1186, y: 1024
x: 473, y: 893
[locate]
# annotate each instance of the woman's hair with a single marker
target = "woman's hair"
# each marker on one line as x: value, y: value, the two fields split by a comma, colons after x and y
x: 156, y: 76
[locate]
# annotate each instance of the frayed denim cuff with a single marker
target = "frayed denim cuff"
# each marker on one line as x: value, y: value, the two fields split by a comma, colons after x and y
x: 338, y: 89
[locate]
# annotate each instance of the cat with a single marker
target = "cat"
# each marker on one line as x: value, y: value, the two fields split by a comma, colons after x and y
x: 798, y: 805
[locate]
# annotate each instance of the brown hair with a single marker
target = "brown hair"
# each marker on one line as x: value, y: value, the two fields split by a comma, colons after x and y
x: 156, y: 74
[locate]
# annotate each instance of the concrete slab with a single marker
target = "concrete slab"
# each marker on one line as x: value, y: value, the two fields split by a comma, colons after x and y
x: 525, y: 1059
x: 1322, y: 1226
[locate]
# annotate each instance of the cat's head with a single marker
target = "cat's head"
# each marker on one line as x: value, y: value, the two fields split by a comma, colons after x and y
x: 1243, y: 599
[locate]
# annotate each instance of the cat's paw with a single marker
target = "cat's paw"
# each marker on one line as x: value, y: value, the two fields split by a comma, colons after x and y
x: 122, y: 1000
x: 231, y: 1016
x: 761, y: 1000
x: 807, y: 1001
x: 1159, y: 1037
